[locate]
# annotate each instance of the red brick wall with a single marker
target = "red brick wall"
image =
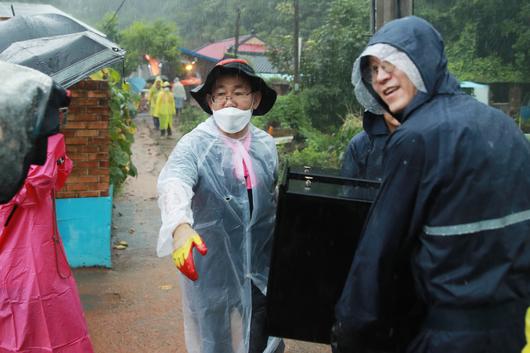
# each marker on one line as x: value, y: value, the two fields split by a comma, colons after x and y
x: 87, y: 140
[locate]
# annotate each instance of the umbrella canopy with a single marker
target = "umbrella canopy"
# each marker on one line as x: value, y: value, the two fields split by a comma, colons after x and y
x: 25, y: 9
x: 56, y: 45
x: 21, y: 28
x: 137, y: 83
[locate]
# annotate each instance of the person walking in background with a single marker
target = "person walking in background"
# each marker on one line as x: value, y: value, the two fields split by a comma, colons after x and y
x: 164, y: 109
x: 153, y: 95
x: 217, y: 193
x: 179, y: 94
x: 450, y: 227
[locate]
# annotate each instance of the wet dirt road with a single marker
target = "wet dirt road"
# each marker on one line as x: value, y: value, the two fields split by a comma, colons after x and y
x: 135, y: 306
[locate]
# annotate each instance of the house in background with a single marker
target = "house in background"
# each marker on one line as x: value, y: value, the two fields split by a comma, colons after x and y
x: 201, y: 60
x: 512, y: 98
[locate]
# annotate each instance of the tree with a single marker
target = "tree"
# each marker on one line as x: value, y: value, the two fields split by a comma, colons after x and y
x: 158, y: 39
x: 109, y: 26
x: 486, y: 40
x: 327, y: 61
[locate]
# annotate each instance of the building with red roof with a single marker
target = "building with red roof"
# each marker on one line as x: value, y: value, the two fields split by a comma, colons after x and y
x: 250, y: 48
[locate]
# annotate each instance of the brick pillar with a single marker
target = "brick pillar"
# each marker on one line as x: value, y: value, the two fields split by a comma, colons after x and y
x: 87, y: 140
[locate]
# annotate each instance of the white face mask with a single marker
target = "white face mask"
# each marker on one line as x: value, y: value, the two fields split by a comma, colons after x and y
x: 232, y: 120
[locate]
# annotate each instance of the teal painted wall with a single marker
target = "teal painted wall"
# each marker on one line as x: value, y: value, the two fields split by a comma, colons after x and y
x: 85, y: 227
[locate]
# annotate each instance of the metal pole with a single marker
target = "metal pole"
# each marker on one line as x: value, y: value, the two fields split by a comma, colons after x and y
x: 295, y: 46
x: 373, y: 16
x: 387, y: 10
x: 236, y: 45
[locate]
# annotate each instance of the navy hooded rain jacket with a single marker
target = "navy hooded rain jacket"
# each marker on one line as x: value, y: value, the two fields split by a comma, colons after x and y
x: 363, y: 158
x: 452, y: 214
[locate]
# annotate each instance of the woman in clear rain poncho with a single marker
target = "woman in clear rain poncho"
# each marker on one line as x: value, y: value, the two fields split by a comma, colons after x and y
x: 219, y: 186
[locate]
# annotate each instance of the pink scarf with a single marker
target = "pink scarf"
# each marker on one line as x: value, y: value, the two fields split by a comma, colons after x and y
x: 241, y: 160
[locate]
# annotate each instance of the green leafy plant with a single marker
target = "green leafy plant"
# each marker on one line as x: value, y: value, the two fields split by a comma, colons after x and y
x: 122, y: 129
x: 320, y: 149
x: 159, y: 39
x: 288, y: 112
x: 191, y: 117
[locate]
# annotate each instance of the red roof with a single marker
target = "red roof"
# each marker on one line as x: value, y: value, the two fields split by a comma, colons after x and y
x: 252, y: 48
x: 217, y: 50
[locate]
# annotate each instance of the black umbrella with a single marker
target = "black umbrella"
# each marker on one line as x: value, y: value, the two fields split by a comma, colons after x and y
x: 21, y: 28
x: 67, y: 59
x: 57, y: 46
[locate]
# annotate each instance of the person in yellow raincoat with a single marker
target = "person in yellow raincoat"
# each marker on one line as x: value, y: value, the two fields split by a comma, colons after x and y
x: 526, y: 348
x: 164, y: 109
x: 153, y: 95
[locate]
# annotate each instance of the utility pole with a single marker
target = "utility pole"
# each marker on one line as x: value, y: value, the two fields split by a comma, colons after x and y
x: 236, y: 45
x: 387, y: 10
x: 296, y: 53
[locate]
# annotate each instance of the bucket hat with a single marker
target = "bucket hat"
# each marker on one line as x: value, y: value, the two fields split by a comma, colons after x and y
x: 239, y: 67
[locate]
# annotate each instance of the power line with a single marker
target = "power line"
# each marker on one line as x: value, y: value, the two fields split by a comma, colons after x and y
x: 115, y: 13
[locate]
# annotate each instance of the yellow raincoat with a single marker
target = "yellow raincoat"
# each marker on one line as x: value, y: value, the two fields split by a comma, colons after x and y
x: 165, y: 109
x: 153, y: 94
x: 526, y: 348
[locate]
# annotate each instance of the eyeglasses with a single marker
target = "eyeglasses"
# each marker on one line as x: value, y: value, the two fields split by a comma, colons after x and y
x: 373, y: 69
x: 236, y: 97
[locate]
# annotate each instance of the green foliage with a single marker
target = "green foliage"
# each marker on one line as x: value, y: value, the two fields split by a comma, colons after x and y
x: 281, y: 52
x: 319, y: 151
x: 190, y: 117
x: 324, y: 150
x: 486, y: 40
x: 109, y: 26
x: 204, y: 21
x: 122, y: 130
x: 159, y: 39
x: 328, y: 59
x: 500, y: 29
x: 288, y: 113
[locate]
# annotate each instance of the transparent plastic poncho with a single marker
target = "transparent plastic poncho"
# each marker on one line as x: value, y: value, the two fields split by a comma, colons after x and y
x: 203, y: 184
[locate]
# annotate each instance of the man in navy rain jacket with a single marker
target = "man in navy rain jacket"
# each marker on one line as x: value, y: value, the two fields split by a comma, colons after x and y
x: 363, y: 157
x: 450, y: 227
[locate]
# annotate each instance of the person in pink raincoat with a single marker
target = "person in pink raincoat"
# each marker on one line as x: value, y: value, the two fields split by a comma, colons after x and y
x: 40, y: 310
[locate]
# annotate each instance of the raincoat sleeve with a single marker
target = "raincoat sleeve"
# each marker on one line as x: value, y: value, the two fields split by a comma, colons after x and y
x: 175, y: 191
x: 366, y: 308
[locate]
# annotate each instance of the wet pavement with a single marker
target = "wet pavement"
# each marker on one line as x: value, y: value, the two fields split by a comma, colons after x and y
x: 135, y: 306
